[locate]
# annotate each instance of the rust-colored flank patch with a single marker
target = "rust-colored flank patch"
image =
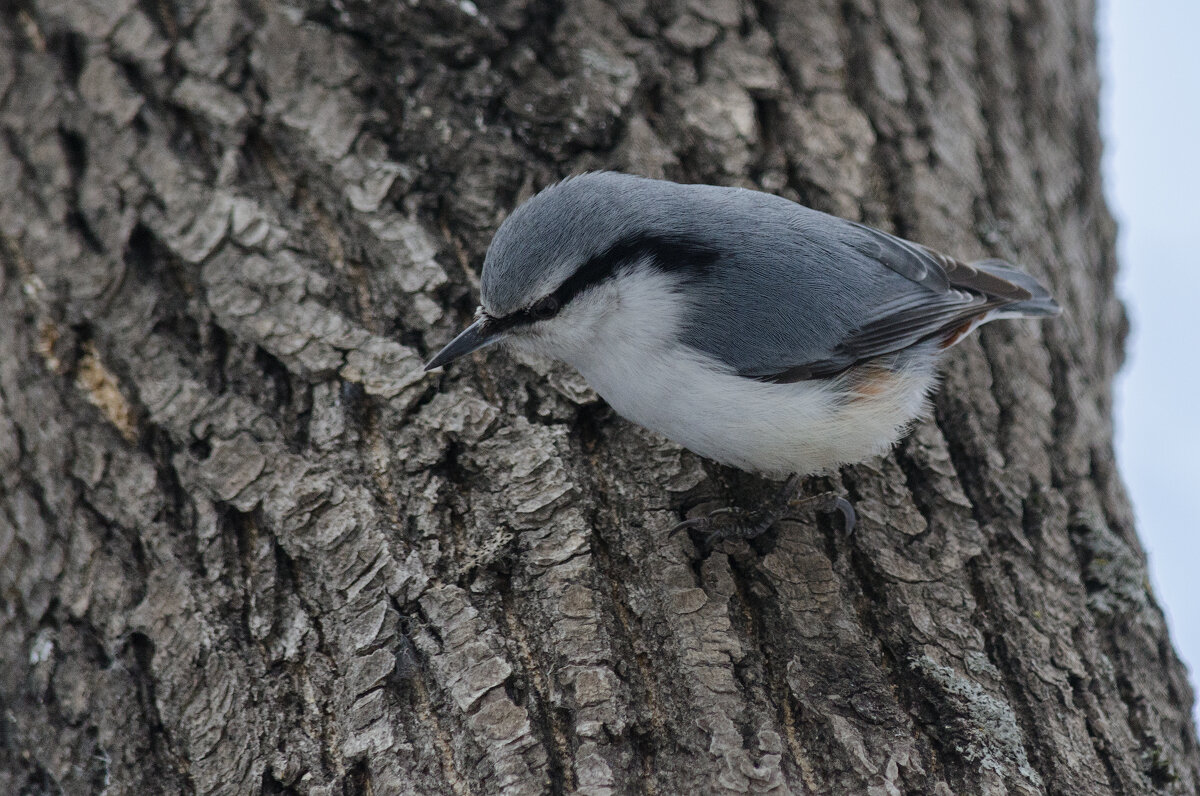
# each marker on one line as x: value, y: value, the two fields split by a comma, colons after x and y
x: 871, y: 381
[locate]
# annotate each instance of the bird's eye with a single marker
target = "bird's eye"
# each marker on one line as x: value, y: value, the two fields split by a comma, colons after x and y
x: 544, y: 308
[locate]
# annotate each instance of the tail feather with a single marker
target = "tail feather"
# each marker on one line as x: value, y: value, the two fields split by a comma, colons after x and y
x: 1041, y: 304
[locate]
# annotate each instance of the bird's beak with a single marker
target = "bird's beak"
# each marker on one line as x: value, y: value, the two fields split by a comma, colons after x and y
x: 473, y: 338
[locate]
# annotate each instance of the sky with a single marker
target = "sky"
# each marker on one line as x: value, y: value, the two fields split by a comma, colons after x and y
x: 1150, y: 106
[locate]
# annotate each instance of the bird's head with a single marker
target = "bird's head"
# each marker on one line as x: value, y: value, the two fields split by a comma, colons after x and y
x: 558, y: 268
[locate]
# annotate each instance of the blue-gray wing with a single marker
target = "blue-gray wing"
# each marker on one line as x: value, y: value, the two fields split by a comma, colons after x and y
x: 811, y: 295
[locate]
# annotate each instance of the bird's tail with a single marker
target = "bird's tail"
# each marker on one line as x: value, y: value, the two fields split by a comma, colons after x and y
x: 1041, y: 304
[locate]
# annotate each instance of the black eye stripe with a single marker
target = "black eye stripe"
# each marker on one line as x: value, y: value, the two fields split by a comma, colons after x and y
x: 545, y: 308
x: 667, y: 253
x: 673, y: 253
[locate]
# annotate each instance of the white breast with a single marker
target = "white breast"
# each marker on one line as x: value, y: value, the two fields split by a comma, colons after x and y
x: 623, y: 341
x: 804, y: 427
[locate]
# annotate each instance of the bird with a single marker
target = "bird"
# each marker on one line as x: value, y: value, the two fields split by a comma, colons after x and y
x: 748, y: 328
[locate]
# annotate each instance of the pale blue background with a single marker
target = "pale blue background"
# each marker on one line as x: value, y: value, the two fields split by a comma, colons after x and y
x: 1150, y: 51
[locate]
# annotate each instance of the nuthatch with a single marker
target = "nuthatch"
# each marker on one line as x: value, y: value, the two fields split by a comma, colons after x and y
x: 748, y: 328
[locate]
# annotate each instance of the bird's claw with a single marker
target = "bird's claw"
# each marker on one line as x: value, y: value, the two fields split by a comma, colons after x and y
x: 724, y: 523
x: 831, y: 502
x: 735, y: 523
x: 702, y: 523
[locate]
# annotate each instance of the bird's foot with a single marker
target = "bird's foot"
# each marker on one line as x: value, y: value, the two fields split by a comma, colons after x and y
x: 737, y: 523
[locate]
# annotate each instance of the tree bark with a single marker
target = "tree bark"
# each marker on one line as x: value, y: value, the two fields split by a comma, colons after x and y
x: 247, y: 546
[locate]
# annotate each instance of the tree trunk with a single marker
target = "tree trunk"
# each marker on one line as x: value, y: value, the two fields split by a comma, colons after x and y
x: 246, y: 545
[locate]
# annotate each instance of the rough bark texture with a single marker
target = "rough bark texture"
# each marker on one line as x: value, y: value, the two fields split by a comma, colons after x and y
x: 247, y: 546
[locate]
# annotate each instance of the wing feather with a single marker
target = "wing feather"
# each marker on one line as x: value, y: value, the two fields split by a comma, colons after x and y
x: 793, y: 293
x: 947, y: 295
